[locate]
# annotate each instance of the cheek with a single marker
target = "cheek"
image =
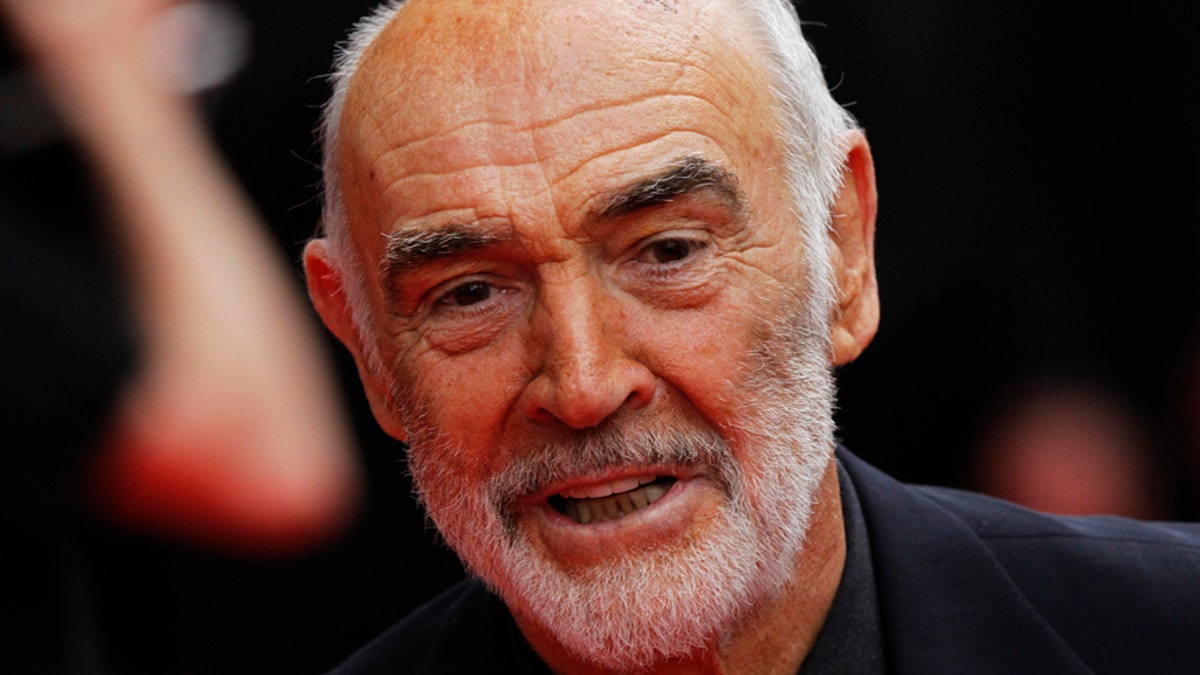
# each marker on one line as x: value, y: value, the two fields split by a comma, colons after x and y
x: 465, y: 401
x: 702, y: 354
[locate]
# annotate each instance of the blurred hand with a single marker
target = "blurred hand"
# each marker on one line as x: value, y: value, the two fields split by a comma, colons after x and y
x: 230, y: 435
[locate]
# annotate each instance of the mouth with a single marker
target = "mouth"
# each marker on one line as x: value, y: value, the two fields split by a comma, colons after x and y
x: 602, y: 502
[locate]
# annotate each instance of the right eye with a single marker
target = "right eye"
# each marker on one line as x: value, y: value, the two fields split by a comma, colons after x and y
x: 467, y: 294
x: 667, y: 251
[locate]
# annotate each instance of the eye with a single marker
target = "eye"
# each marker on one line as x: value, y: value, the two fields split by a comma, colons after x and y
x: 666, y: 251
x: 468, y: 312
x: 467, y: 294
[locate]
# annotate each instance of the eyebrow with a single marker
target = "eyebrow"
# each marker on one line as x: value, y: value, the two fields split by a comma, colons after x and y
x: 689, y: 175
x: 412, y: 247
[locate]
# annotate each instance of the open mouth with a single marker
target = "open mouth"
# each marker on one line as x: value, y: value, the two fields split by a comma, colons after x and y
x: 609, y: 501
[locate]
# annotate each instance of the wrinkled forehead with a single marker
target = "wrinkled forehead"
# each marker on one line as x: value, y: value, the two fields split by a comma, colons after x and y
x: 541, y: 59
x: 547, y: 83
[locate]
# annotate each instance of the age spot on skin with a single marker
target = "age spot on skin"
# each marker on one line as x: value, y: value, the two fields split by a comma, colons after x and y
x: 665, y: 5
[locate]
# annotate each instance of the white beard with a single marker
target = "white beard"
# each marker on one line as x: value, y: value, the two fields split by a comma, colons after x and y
x: 630, y: 612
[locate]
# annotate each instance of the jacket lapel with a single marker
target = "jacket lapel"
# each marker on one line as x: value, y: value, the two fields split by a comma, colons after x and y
x: 946, y: 604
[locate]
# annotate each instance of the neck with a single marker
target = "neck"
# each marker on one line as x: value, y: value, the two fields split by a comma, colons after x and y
x: 774, y: 638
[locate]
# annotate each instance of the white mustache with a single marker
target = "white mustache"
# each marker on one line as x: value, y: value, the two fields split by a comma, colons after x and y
x: 696, y: 449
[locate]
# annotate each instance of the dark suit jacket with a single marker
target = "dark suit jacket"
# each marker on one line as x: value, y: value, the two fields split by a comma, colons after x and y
x: 967, y: 584
x: 975, y: 585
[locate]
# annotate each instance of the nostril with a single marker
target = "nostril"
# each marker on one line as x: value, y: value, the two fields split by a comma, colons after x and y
x: 541, y: 415
x: 636, y: 399
x: 642, y: 385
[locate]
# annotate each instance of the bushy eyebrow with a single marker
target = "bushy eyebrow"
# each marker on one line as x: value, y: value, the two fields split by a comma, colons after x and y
x: 689, y: 175
x: 413, y: 247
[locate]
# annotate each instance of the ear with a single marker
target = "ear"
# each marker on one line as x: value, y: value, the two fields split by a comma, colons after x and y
x: 853, y: 254
x: 328, y: 295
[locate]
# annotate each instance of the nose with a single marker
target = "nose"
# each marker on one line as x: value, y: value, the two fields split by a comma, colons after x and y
x: 587, y: 373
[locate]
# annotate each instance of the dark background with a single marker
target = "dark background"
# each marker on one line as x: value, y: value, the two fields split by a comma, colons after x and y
x: 1038, y: 220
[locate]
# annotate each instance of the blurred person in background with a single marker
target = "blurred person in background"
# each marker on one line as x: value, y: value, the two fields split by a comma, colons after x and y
x: 185, y: 394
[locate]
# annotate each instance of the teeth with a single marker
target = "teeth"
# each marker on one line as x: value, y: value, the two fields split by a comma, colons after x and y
x: 653, y: 492
x: 605, y: 489
x: 635, y: 493
x: 624, y: 485
x: 639, y: 499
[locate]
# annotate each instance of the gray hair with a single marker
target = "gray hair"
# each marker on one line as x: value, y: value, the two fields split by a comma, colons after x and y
x: 334, y: 225
x: 814, y: 138
x: 814, y: 133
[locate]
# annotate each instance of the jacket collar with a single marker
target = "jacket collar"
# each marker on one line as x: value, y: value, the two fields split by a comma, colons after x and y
x: 946, y: 603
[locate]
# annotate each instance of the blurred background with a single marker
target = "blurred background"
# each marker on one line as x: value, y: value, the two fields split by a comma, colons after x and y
x: 1037, y: 252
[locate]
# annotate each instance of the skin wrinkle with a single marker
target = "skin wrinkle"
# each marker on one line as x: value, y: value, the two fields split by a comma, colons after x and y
x: 416, y: 244
x: 743, y: 272
x: 702, y: 281
x: 469, y: 405
x: 574, y: 117
x: 694, y: 36
x: 408, y: 250
x: 484, y: 238
x: 539, y: 147
x: 597, y: 107
x: 408, y: 357
x: 722, y: 73
x: 683, y: 66
x: 616, y: 151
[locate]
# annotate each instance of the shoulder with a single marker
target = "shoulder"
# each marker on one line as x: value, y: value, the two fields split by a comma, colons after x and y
x: 1100, y: 581
x: 1008, y: 526
x: 1040, y: 545
x: 1108, y: 590
x: 464, y: 629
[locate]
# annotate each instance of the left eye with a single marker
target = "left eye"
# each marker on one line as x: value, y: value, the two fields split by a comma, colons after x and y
x: 665, y: 251
x: 470, y: 293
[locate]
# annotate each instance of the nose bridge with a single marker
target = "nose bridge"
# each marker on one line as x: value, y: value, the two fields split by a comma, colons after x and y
x: 586, y: 371
x: 578, y: 339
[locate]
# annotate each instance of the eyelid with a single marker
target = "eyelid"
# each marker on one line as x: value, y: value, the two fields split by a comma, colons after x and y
x: 422, y: 286
x: 697, y: 240
x: 454, y: 329
x: 436, y: 295
x: 442, y: 293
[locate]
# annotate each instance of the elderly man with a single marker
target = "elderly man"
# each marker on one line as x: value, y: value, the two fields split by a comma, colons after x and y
x: 595, y: 262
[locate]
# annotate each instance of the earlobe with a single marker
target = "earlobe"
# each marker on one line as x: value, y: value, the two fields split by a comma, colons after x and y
x: 853, y: 252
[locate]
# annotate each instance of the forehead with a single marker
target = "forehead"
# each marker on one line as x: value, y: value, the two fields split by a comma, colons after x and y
x: 478, y: 111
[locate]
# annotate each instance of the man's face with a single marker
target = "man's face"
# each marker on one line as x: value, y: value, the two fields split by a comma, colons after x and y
x: 590, y: 296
